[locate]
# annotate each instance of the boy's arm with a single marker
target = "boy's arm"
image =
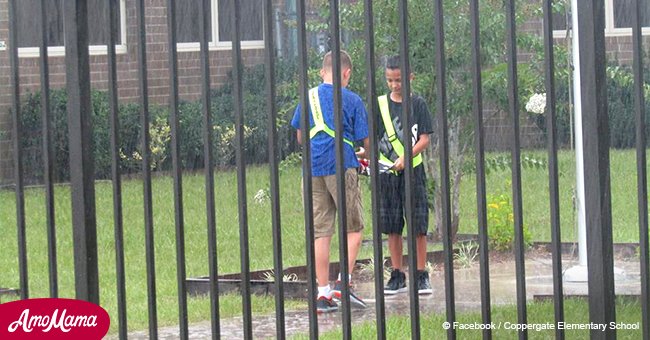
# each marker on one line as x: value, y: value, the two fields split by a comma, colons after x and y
x: 299, y: 136
x: 364, y: 153
x: 422, y: 144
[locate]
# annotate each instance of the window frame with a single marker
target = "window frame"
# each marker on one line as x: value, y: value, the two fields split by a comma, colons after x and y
x: 215, y: 44
x: 59, y: 51
x: 610, y: 30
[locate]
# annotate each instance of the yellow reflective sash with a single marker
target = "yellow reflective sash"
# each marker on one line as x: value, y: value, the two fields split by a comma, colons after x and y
x: 317, y: 114
x: 390, y: 132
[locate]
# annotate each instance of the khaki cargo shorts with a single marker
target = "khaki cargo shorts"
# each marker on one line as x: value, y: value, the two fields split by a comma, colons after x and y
x: 326, y: 205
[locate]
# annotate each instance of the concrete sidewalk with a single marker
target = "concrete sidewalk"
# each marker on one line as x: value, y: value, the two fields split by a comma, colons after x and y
x: 539, y: 281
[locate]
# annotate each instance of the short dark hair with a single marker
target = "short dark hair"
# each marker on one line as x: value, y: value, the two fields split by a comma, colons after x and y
x: 346, y: 61
x: 393, y: 62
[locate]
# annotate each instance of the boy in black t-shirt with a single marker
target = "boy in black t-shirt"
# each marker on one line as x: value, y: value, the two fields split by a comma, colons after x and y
x: 390, y: 134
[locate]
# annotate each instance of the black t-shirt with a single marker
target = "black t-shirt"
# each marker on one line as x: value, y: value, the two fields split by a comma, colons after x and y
x: 421, y: 119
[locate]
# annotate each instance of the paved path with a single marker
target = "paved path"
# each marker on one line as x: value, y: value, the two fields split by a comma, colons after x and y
x: 467, y: 288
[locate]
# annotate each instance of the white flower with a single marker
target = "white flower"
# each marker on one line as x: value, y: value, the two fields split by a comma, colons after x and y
x: 262, y: 196
x: 537, y: 103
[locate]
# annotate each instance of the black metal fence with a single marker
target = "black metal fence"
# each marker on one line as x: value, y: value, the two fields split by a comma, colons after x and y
x: 598, y: 205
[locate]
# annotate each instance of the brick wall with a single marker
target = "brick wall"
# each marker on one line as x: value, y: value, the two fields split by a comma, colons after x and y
x: 5, y: 97
x: 189, y: 68
x: 619, y: 48
x: 497, y: 125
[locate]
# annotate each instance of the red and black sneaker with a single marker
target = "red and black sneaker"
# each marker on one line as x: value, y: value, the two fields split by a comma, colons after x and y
x: 326, y: 305
x: 354, y: 299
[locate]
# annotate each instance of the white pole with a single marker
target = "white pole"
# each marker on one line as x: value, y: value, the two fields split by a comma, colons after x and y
x: 578, y: 273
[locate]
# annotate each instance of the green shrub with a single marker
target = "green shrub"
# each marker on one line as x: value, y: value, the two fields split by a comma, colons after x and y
x: 501, y: 229
x: 31, y: 120
x: 620, y: 101
x: 256, y: 128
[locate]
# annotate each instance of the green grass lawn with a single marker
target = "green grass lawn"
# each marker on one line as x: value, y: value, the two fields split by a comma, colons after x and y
x: 536, y: 203
x: 504, y: 319
x: 536, y: 217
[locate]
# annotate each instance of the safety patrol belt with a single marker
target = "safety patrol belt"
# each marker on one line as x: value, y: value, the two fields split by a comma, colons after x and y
x: 390, y: 132
x: 319, y: 121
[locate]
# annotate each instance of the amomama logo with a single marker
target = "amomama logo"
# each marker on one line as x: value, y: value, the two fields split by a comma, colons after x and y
x: 52, y: 319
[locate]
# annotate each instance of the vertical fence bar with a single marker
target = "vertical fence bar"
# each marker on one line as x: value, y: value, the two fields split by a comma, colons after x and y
x: 516, y: 166
x: 600, y: 260
x: 115, y: 170
x: 554, y: 195
x: 273, y: 168
x: 344, y: 269
x: 308, y: 201
x: 641, y: 172
x: 146, y: 172
x: 479, y: 134
x: 204, y: 20
x: 371, y: 85
x: 408, y: 169
x: 241, y: 169
x: 48, y: 151
x: 441, y: 104
x: 177, y: 170
x: 18, y: 158
x: 82, y: 172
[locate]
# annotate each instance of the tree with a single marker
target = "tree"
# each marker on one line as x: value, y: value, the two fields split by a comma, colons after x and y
x: 458, y: 61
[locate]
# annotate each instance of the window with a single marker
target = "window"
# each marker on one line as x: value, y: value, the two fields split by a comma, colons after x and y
x: 29, y: 33
x: 221, y: 13
x: 187, y: 21
x: 618, y: 18
x: 624, y: 9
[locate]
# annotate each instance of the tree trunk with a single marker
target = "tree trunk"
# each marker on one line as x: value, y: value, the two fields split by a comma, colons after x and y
x: 456, y: 157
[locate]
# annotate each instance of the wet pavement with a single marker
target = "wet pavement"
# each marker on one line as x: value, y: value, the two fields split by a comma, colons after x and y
x: 539, y: 282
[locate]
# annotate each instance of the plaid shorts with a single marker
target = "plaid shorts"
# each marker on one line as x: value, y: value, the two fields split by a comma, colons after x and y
x: 392, y: 200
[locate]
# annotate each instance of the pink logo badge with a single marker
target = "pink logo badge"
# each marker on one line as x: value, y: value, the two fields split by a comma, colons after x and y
x: 52, y: 319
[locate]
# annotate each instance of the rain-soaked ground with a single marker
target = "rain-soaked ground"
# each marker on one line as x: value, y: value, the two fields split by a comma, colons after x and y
x: 539, y: 283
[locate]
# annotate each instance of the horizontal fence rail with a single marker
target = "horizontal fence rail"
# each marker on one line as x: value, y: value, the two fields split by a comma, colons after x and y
x: 223, y: 43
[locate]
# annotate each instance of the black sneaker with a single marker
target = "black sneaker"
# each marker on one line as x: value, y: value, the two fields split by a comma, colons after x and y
x: 326, y: 305
x: 424, y: 286
x: 396, y: 283
x: 354, y: 299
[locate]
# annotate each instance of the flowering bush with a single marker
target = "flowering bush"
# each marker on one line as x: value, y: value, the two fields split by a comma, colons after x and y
x: 501, y: 224
x: 536, y: 103
x: 262, y: 196
x: 159, y: 137
x: 224, y: 142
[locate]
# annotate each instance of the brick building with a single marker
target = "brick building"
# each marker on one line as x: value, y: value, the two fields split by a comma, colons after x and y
x: 618, y: 38
x: 127, y: 51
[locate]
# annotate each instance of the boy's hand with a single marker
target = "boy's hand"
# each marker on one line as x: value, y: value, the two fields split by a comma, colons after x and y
x: 361, y: 153
x: 399, y: 164
x: 363, y: 167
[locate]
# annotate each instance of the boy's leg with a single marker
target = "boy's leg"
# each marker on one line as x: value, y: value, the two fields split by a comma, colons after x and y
x: 397, y: 282
x: 423, y: 283
x: 324, y: 216
x: 322, y: 260
x: 354, y: 215
x: 391, y: 196
x: 391, y: 215
x: 354, y: 244
x: 422, y: 225
x: 421, y: 241
x: 395, y: 246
